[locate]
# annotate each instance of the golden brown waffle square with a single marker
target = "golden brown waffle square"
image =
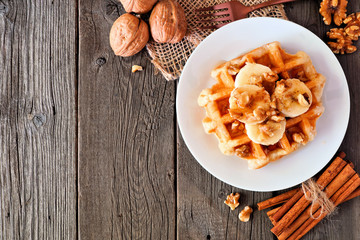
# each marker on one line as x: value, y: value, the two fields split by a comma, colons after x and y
x: 231, y: 133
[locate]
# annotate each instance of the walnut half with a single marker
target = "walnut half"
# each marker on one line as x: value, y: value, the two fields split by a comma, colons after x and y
x: 336, y: 7
x: 343, y: 42
x: 352, y: 28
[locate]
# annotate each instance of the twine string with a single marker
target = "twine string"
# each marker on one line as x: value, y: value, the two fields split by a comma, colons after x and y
x: 313, y: 193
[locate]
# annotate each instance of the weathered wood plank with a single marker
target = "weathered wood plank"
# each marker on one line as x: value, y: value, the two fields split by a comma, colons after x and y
x: 201, y: 211
x: 37, y: 119
x: 126, y: 138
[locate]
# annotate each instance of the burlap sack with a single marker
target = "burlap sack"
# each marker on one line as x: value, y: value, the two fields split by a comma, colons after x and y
x: 170, y: 59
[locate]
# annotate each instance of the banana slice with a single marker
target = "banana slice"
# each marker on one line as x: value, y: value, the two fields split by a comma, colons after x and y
x: 292, y: 97
x: 253, y: 73
x: 249, y: 104
x: 267, y: 133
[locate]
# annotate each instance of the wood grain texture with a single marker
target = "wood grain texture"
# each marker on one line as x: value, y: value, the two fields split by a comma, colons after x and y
x: 136, y: 177
x: 201, y: 211
x: 126, y: 137
x: 37, y: 119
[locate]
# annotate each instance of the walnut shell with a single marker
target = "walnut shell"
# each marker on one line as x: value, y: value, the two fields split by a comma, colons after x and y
x: 128, y: 35
x: 167, y: 22
x: 138, y: 6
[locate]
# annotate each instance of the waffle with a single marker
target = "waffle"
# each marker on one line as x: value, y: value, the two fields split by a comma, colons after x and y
x: 231, y: 133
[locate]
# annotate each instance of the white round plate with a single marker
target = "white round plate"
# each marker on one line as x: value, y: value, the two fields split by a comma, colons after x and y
x: 231, y: 41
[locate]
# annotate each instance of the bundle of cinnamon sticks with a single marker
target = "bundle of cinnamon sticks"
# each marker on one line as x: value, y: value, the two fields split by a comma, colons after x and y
x: 298, y: 215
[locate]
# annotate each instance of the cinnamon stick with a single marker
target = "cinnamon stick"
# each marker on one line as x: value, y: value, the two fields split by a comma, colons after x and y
x: 287, y: 206
x: 336, y: 196
x: 310, y: 223
x: 354, y: 194
x: 277, y: 200
x: 307, y: 213
x: 330, y: 173
x: 272, y: 221
x: 347, y: 192
x: 342, y: 155
x: 287, y: 195
x: 300, y: 205
x: 272, y: 212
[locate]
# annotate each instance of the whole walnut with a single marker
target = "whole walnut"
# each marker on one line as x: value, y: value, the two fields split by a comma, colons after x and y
x: 138, y: 6
x: 167, y: 22
x: 128, y: 35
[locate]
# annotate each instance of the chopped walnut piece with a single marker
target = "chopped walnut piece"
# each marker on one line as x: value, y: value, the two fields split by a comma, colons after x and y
x: 298, y: 137
x: 352, y: 28
x: 343, y: 42
x: 268, y: 131
x: 336, y: 7
x: 280, y: 86
x: 243, y: 151
x: 302, y: 101
x: 272, y: 112
x: 232, y: 200
x: 273, y: 104
x: 136, y: 68
x: 243, y: 99
x: 236, y: 126
x: 277, y: 118
x: 269, y: 128
x: 256, y: 80
x: 244, y: 215
x: 270, y: 76
x: 259, y: 113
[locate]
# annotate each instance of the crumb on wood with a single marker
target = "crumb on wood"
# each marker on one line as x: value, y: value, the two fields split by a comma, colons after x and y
x: 136, y: 68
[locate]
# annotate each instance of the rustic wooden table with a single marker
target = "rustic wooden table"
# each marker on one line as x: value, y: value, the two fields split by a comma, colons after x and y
x: 89, y: 150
